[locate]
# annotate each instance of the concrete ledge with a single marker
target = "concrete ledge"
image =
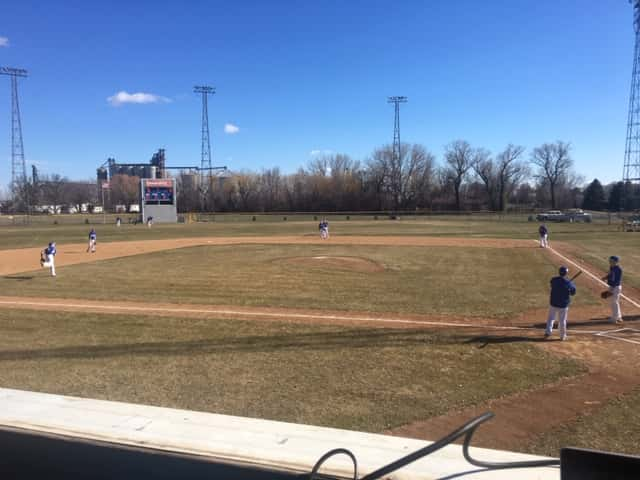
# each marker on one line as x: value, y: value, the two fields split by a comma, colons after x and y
x: 242, y: 441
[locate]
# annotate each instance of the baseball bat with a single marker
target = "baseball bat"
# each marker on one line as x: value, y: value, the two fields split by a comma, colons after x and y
x: 576, y: 275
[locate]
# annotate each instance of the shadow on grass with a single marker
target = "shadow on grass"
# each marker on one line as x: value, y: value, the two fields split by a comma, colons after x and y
x: 485, y: 340
x: 19, y: 278
x: 592, y: 322
x: 366, y: 339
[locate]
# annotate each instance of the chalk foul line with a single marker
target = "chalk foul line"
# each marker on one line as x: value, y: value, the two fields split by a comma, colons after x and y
x: 588, y: 273
x: 240, y: 313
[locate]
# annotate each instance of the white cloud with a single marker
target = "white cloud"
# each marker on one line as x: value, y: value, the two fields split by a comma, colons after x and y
x: 317, y: 152
x: 4, y: 42
x: 123, y: 97
x: 231, y: 129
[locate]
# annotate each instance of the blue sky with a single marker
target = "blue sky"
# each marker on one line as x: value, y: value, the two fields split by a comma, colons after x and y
x: 303, y: 76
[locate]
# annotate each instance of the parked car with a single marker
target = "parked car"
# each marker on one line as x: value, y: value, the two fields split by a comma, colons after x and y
x: 578, y: 215
x: 551, y: 216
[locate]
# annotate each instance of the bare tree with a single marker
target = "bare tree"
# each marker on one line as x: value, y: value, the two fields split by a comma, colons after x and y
x: 271, y: 188
x: 554, y: 165
x: 54, y: 190
x: 125, y: 189
x: 459, y: 157
x: 500, y: 176
x: 402, y: 180
x: 247, y: 188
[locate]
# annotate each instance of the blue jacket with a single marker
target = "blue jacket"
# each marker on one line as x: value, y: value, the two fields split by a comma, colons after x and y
x: 614, y: 279
x: 562, y: 290
x: 50, y: 251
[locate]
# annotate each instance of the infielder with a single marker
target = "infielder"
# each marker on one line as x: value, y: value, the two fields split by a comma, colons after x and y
x: 324, y: 229
x: 562, y: 289
x: 92, y: 241
x: 614, y: 280
x: 544, y: 236
x: 47, y: 258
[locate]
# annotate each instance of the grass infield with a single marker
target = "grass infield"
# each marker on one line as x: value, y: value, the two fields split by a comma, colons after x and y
x: 347, y: 377
x: 479, y: 282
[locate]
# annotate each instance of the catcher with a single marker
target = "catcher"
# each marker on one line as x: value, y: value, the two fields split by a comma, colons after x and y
x: 614, y: 280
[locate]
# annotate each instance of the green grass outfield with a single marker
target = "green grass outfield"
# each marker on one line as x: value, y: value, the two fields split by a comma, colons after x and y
x: 436, y: 280
x: 38, y: 235
x: 347, y: 377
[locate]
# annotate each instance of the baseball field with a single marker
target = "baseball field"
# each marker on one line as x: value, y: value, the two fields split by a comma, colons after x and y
x: 409, y: 326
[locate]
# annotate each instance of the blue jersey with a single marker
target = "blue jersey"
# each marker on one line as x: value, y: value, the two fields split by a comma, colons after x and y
x: 50, y: 251
x: 543, y: 230
x: 614, y: 279
x: 92, y: 235
x: 562, y: 290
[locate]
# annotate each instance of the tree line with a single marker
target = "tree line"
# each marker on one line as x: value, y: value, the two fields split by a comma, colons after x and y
x: 466, y: 178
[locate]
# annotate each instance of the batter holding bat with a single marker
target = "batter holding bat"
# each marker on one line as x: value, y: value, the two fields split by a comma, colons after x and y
x: 562, y: 289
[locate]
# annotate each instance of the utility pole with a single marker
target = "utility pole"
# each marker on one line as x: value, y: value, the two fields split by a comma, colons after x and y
x: 397, y: 154
x: 205, y: 157
x: 18, y: 166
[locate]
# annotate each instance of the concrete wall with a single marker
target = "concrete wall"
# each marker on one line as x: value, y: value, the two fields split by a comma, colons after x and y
x: 250, y: 444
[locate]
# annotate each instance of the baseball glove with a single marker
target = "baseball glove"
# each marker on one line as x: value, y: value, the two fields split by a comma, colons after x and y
x: 43, y: 258
x: 606, y: 294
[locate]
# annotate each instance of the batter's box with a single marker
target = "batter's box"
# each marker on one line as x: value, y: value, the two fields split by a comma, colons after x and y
x: 630, y: 335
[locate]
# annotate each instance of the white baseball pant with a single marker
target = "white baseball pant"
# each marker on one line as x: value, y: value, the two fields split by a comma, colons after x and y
x: 561, y: 313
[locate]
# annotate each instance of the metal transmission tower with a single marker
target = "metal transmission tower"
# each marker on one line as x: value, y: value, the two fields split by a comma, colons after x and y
x: 632, y: 148
x: 396, y: 171
x: 18, y: 166
x: 396, y: 125
x: 205, y: 158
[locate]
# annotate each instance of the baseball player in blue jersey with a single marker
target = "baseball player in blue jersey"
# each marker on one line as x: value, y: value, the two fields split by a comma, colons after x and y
x: 93, y: 237
x: 47, y: 258
x: 614, y: 280
x: 544, y: 236
x: 562, y: 289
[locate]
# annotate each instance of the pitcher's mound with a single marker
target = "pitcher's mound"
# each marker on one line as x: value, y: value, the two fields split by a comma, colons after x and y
x: 356, y: 264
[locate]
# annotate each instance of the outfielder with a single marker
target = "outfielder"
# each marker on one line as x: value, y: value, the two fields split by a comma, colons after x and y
x: 544, y: 236
x: 92, y: 241
x: 562, y: 289
x: 47, y: 258
x: 614, y: 280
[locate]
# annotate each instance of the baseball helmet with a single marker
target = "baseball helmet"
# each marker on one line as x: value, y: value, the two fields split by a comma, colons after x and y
x: 614, y: 258
x: 563, y: 270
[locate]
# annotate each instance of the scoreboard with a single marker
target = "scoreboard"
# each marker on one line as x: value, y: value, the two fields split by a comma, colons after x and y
x: 158, y: 192
x: 158, y: 198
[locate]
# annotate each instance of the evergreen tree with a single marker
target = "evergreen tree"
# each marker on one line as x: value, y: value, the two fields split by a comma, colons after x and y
x: 616, y: 197
x: 594, y: 197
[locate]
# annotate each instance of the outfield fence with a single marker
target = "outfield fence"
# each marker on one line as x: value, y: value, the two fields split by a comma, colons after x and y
x: 264, y: 217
